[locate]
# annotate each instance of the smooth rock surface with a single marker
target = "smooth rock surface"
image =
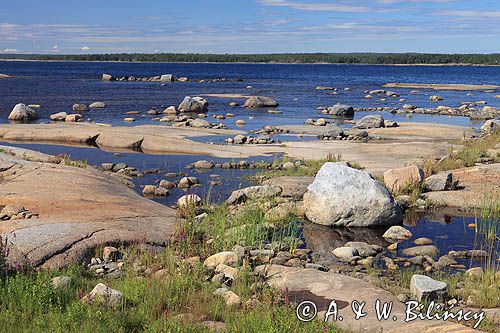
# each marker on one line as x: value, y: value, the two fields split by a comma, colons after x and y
x: 343, y: 196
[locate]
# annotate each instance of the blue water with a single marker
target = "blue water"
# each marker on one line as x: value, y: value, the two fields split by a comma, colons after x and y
x: 58, y: 85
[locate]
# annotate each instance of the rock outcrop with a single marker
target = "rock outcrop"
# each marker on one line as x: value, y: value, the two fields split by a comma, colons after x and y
x: 193, y: 104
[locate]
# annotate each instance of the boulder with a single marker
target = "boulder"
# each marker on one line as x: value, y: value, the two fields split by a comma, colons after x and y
x: 189, y: 200
x: 490, y: 126
x: 167, y: 78
x: 228, y: 258
x: 422, y: 250
x: 80, y: 107
x: 61, y: 282
x: 397, y: 232
x: 341, y: 110
x: 60, y: 116
x: 370, y: 122
x: 104, y: 295
x: 398, y: 179
x: 71, y: 118
x: 343, y: 196
x: 334, y: 131
x: 97, y: 105
x: 424, y: 288
x: 107, y: 77
x: 442, y: 181
x: 203, y: 164
x: 200, y: 123
x: 346, y: 253
x: 193, y: 104
x: 253, y: 193
x: 260, y: 102
x: 21, y: 112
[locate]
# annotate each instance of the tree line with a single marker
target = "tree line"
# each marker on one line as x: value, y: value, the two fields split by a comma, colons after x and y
x: 288, y: 58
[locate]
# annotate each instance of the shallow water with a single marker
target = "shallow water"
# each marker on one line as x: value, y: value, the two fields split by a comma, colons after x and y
x: 448, y: 231
x: 58, y: 85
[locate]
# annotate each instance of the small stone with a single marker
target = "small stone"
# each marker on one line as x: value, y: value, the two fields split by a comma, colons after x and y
x: 397, y: 233
x: 228, y: 258
x: 423, y: 241
x: 104, y: 295
x: 60, y: 282
x: 110, y: 253
x: 231, y: 299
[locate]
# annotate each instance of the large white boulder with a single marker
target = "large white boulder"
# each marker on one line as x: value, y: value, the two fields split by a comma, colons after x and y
x: 22, y: 112
x: 343, y: 196
x: 193, y: 104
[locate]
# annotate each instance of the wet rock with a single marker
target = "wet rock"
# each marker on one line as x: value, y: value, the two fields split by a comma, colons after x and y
x: 370, y: 122
x: 228, y: 258
x: 343, y: 196
x: 97, y: 105
x: 398, y: 179
x: 423, y: 250
x: 397, y: 233
x: 167, y: 78
x: 341, y: 110
x: 80, y: 107
x: 193, y: 104
x: 149, y: 190
x: 104, y: 295
x: 424, y: 288
x: 436, y: 98
x: 167, y: 184
x: 187, y: 182
x: 203, y: 164
x: 60, y: 116
x: 442, y: 181
x: 21, y: 112
x: 365, y: 249
x: 108, y: 77
x: 72, y: 118
x: 201, y: 123
x: 423, y: 241
x: 346, y: 253
x: 260, y: 102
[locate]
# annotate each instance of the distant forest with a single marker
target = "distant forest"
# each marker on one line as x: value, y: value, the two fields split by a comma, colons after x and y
x: 289, y: 58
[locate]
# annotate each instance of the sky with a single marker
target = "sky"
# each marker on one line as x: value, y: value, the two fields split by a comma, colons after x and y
x: 249, y: 26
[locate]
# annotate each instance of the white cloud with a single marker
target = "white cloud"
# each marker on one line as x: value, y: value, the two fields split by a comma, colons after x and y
x: 470, y: 13
x: 316, y: 6
x: 10, y: 51
x: 85, y: 48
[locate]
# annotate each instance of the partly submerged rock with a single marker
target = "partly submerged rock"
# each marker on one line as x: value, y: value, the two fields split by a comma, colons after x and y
x: 343, y: 196
x: 193, y: 104
x: 341, y: 110
x: 397, y: 232
x: 260, y: 102
x: 21, y: 112
x: 370, y: 121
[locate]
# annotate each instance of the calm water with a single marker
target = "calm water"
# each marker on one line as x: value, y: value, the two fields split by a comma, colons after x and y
x: 58, y: 85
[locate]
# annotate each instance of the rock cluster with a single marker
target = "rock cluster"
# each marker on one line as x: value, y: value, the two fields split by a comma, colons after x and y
x: 110, y: 265
x: 11, y: 212
x: 159, y: 78
x: 247, y: 139
x: 63, y: 116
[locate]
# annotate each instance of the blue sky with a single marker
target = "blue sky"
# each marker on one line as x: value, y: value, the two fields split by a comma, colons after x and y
x: 249, y: 26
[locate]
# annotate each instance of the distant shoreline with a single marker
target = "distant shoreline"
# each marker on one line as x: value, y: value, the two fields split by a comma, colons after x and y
x: 254, y: 63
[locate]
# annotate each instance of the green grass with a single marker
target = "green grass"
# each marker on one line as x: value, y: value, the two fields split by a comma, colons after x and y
x: 304, y: 168
x: 471, y: 152
x: 29, y: 303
